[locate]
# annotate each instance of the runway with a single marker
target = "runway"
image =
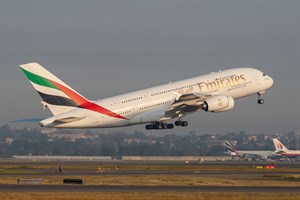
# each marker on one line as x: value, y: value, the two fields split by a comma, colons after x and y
x: 119, y: 173
x: 70, y: 173
x: 142, y: 162
x: 131, y: 188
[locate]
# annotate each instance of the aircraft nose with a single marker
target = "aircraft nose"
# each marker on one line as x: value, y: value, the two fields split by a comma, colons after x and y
x: 269, y: 81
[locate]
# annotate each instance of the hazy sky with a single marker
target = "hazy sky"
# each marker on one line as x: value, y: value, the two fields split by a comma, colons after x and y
x: 105, y: 48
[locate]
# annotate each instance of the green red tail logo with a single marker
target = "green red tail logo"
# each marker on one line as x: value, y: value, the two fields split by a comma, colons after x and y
x: 60, y: 94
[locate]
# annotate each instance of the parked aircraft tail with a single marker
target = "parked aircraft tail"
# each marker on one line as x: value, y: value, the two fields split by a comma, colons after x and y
x: 230, y: 148
x: 278, y: 145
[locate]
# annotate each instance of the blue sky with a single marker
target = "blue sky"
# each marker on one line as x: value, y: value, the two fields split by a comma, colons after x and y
x: 105, y: 48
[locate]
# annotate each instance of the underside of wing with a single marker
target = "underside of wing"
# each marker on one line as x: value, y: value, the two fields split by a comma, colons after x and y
x: 185, y: 104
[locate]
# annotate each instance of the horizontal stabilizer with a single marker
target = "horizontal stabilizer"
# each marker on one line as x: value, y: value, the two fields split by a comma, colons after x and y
x: 68, y: 119
x: 54, y: 121
x: 28, y: 120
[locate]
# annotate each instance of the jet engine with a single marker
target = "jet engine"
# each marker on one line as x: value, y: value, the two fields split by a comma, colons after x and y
x: 218, y: 103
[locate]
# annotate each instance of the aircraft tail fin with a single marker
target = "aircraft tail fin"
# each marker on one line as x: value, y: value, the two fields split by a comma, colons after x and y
x: 230, y: 147
x: 278, y: 145
x: 56, y: 95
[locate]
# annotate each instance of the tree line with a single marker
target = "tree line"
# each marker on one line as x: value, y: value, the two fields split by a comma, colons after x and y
x: 34, y: 142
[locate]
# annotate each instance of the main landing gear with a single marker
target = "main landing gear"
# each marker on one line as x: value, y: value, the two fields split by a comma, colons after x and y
x: 181, y: 123
x: 260, y: 100
x: 163, y: 125
x: 159, y: 126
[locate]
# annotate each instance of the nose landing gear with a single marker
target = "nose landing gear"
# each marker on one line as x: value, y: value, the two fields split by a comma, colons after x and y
x: 260, y: 100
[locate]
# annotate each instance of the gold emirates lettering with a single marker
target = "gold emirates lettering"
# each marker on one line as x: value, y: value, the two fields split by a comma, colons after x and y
x: 222, y: 83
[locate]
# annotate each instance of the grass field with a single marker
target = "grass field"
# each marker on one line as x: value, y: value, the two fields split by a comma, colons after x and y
x: 169, y: 180
x: 128, y: 167
x: 11, y: 172
x: 145, y: 196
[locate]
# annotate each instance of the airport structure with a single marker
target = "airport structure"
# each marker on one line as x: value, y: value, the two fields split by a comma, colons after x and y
x: 63, y: 158
x: 177, y: 158
x: 125, y: 158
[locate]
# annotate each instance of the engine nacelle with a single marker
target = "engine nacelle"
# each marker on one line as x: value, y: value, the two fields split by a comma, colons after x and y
x: 218, y: 103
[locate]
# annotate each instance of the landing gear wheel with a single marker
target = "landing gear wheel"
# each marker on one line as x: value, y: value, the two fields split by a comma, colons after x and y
x: 184, y: 124
x: 149, y: 127
x: 178, y: 123
x: 260, y: 101
x: 170, y: 126
x: 181, y: 123
x: 159, y: 126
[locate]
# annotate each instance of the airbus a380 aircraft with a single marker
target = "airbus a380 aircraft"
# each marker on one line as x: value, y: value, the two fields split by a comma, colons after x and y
x: 156, y: 106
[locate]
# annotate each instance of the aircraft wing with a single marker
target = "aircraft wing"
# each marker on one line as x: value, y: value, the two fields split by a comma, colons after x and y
x: 185, y: 104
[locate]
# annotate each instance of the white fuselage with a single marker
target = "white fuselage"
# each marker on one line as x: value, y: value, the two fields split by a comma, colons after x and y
x: 149, y: 105
x: 289, y: 153
x: 262, y: 154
